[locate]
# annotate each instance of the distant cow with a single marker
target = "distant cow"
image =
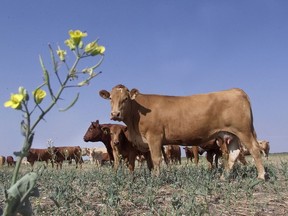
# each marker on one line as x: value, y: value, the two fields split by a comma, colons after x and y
x: 68, y: 153
x: 173, y: 154
x: 35, y: 154
x: 192, y: 152
x: 155, y: 120
x: 95, y: 133
x: 10, y: 161
x: 2, y: 160
x: 264, y: 147
x: 123, y: 148
x: 96, y: 154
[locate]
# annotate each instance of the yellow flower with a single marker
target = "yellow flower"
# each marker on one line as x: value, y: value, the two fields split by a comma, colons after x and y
x: 94, y: 49
x: 70, y: 44
x: 77, y: 36
x: 39, y: 95
x: 61, y: 54
x: 15, y: 101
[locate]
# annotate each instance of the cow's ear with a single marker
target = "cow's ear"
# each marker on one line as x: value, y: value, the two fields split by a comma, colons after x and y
x: 133, y: 93
x: 104, y: 94
x: 125, y: 129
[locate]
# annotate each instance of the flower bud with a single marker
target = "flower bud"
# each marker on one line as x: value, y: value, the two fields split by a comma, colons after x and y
x: 70, y: 44
x: 94, y: 49
x: 24, y: 92
x: 39, y: 95
x: 61, y: 54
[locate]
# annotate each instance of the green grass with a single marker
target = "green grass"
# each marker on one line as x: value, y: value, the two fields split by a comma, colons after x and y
x: 179, y: 190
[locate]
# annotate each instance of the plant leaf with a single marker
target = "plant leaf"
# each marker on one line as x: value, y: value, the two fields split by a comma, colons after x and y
x: 71, y: 105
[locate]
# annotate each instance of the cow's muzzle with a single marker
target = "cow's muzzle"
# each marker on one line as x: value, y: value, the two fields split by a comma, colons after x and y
x: 116, y: 116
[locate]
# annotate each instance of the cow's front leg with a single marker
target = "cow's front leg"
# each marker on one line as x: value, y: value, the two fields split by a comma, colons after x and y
x: 131, y: 161
x: 156, y: 156
x: 116, y: 159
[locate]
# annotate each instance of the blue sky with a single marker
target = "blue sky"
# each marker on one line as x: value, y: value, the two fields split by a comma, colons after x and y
x: 165, y: 47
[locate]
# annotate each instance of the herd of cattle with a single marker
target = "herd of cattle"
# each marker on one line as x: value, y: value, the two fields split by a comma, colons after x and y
x: 118, y: 148
x: 220, y: 123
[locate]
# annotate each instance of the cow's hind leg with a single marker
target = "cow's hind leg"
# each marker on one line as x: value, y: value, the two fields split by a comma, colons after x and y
x: 253, y: 147
x: 148, y: 159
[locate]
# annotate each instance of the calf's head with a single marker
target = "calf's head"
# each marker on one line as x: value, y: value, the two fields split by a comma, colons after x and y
x: 117, y: 134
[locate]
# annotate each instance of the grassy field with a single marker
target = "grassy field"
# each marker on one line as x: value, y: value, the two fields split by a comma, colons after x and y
x: 179, y: 190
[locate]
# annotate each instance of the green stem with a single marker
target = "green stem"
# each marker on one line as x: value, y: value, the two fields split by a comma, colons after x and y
x: 24, y: 148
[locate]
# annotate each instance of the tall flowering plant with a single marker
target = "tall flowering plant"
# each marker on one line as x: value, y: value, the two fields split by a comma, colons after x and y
x: 17, y: 196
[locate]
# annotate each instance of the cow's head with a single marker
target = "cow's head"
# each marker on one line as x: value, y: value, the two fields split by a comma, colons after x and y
x: 120, y: 99
x: 117, y: 134
x: 93, y: 133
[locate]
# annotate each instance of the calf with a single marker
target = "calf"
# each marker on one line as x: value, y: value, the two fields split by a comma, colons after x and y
x: 123, y: 148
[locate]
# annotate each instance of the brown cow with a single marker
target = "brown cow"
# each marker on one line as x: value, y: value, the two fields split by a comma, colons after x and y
x: 2, y: 160
x: 173, y: 154
x: 95, y: 133
x: 68, y: 153
x: 192, y: 152
x: 10, y: 161
x: 123, y: 148
x: 264, y: 147
x: 156, y: 120
x: 39, y: 155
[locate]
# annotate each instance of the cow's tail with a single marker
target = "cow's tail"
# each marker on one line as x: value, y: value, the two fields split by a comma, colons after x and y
x: 252, y: 118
